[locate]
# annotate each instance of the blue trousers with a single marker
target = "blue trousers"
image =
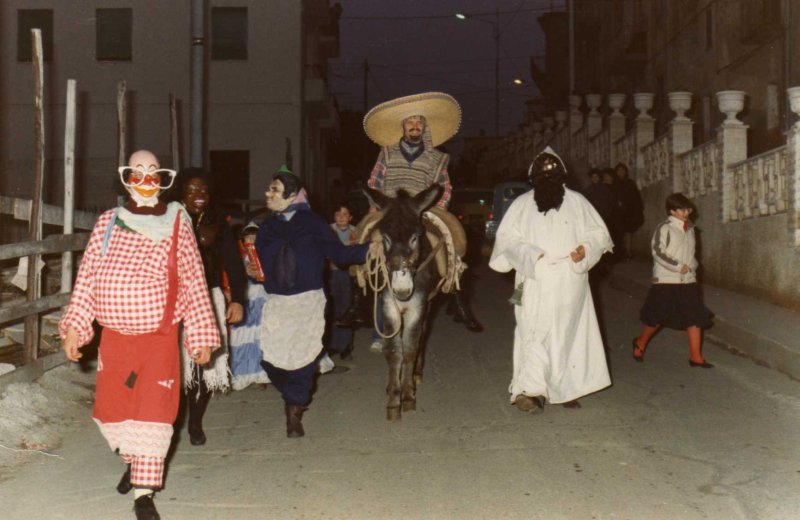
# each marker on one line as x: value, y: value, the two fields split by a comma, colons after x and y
x: 295, y: 386
x: 341, y: 293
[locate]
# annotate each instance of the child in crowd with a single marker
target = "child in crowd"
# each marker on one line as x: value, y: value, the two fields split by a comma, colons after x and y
x: 341, y: 285
x: 245, y: 349
x: 674, y: 299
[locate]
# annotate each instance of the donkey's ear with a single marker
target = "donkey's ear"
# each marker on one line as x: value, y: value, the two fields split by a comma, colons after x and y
x: 427, y: 197
x: 375, y: 197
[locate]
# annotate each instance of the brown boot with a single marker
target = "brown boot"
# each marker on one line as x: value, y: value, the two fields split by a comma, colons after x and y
x: 294, y: 418
x: 525, y: 403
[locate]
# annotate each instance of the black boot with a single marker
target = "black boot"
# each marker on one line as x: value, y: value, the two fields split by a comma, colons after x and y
x: 197, y: 399
x: 294, y: 421
x: 353, y: 317
x: 125, y: 485
x: 463, y: 314
x: 145, y: 509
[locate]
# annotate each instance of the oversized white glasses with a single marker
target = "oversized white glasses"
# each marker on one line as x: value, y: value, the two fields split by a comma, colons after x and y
x: 133, y: 177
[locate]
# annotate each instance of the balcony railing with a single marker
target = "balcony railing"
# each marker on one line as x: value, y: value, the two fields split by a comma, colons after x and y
x: 760, y: 185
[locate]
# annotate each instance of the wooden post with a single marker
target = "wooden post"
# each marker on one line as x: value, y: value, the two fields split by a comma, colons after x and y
x: 173, y: 134
x: 31, y: 346
x: 121, y: 123
x: 69, y: 184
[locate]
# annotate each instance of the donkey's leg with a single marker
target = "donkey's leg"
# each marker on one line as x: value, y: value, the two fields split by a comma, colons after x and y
x: 409, y: 387
x: 419, y: 367
x: 412, y: 332
x: 394, y: 358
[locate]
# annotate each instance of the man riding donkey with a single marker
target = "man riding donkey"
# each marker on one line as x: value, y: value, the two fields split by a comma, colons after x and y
x: 408, y: 129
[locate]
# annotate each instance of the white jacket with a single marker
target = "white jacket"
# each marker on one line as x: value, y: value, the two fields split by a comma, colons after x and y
x: 672, y: 248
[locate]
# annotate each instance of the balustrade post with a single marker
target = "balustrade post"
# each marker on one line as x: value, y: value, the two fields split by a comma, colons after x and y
x: 680, y: 133
x: 793, y: 167
x: 594, y: 119
x: 537, y: 133
x: 616, y: 124
x: 732, y: 145
x: 575, y: 116
x: 561, y: 119
x: 548, y: 127
x: 645, y: 127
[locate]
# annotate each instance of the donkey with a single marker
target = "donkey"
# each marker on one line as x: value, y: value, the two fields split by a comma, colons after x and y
x: 413, y: 279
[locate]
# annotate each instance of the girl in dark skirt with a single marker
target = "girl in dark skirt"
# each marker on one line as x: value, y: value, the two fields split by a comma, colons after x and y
x: 674, y: 300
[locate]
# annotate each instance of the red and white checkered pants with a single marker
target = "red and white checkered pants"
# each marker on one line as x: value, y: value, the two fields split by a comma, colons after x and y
x: 146, y: 472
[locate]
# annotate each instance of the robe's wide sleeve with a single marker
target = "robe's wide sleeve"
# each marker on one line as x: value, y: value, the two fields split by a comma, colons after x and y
x: 511, y: 248
x: 82, y: 310
x: 593, y: 235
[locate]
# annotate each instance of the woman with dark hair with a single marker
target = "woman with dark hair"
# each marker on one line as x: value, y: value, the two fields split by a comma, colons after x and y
x: 223, y: 270
x: 293, y: 244
x: 674, y: 299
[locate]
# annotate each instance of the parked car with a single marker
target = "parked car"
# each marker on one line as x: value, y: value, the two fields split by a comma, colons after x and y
x: 472, y: 206
x: 504, y: 195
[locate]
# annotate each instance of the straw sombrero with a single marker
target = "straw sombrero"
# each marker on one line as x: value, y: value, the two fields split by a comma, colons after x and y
x: 383, y: 124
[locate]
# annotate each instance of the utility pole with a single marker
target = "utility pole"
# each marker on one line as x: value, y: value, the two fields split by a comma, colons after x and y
x: 571, y: 8
x: 197, y: 80
x: 497, y: 72
x: 366, y: 85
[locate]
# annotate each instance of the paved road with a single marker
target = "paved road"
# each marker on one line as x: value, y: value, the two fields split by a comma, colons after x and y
x: 665, y: 442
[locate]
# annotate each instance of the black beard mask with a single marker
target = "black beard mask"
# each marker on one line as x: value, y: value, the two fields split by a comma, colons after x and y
x: 548, y: 192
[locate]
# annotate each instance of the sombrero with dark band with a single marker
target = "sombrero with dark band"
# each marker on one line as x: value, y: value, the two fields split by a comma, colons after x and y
x: 383, y: 124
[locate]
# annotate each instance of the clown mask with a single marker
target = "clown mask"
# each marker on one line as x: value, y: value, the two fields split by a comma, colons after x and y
x: 144, y: 179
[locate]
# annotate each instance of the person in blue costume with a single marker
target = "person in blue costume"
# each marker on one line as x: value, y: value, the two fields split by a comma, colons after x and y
x: 293, y: 245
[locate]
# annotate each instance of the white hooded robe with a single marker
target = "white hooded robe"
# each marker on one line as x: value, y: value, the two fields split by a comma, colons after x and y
x: 558, y: 351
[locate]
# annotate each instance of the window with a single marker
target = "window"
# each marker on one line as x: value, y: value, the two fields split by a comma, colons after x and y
x: 114, y: 34
x: 28, y: 19
x: 228, y: 33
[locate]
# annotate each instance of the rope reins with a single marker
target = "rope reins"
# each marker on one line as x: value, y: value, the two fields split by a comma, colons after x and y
x: 375, y: 268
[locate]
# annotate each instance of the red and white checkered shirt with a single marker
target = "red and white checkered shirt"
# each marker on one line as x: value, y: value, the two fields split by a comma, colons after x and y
x: 125, y: 289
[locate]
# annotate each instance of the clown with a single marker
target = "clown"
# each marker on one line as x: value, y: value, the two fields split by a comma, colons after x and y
x: 140, y: 277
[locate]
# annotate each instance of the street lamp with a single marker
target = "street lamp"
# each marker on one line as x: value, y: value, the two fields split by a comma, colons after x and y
x: 496, y: 36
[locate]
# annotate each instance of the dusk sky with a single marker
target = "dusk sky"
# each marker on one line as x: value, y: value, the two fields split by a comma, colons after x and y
x: 419, y: 46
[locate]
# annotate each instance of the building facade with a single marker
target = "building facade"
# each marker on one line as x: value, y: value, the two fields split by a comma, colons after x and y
x: 265, y: 77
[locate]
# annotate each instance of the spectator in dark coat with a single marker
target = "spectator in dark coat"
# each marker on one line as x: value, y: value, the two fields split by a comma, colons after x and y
x: 601, y: 196
x: 631, y: 208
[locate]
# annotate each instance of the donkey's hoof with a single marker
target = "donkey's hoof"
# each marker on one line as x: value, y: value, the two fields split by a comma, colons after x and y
x: 409, y: 406
x: 393, y: 414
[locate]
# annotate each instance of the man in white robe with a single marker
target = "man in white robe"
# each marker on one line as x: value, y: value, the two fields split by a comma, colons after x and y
x: 552, y: 237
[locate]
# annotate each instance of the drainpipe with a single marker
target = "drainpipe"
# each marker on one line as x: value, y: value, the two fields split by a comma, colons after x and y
x: 303, y: 144
x: 787, y: 61
x: 571, y: 7
x: 197, y: 73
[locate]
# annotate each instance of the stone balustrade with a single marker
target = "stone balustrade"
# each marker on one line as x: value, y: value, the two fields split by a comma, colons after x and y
x: 745, y: 205
x: 599, y: 148
x: 699, y: 170
x: 657, y: 161
x: 760, y: 185
x: 624, y: 151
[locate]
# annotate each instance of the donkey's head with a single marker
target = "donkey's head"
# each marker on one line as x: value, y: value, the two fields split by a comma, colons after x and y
x: 403, y: 234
